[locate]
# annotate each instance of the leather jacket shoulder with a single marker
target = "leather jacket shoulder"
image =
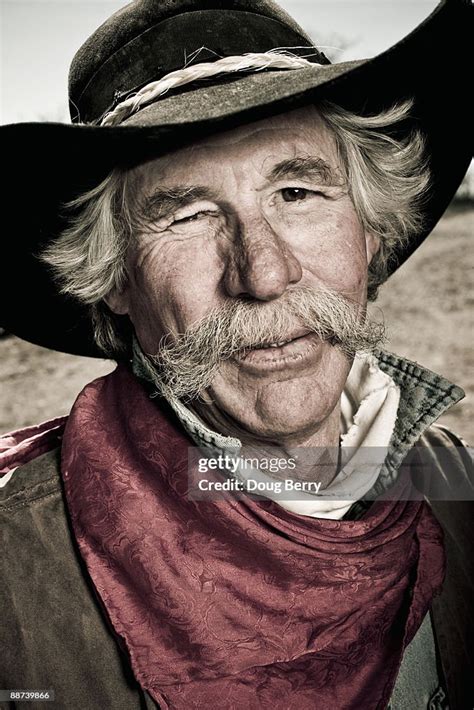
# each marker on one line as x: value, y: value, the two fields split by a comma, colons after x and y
x: 451, y: 499
x: 54, y: 632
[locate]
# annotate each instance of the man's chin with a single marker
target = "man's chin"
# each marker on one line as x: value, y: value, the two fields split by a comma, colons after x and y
x: 274, y: 407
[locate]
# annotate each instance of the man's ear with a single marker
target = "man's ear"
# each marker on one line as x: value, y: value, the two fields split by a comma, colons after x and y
x: 118, y: 301
x: 372, y: 244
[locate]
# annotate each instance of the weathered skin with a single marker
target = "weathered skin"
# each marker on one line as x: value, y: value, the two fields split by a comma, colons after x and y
x: 253, y: 235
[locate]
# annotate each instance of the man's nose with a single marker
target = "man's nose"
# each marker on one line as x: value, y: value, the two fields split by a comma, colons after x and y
x: 261, y: 265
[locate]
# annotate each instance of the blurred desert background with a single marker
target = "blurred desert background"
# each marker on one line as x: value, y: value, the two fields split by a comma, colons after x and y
x: 427, y: 306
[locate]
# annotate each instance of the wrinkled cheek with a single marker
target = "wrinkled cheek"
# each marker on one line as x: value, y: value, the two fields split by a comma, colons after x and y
x: 160, y: 311
x: 147, y: 321
x: 334, y: 252
x: 178, y: 294
x: 147, y: 306
x: 342, y: 270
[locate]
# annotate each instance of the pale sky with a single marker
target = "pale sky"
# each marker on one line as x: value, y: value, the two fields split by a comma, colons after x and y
x: 40, y: 37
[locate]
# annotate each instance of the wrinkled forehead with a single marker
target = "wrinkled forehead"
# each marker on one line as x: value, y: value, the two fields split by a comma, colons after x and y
x: 250, y: 149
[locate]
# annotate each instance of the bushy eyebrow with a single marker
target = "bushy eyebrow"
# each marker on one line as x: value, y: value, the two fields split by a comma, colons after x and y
x: 306, y: 168
x: 164, y: 201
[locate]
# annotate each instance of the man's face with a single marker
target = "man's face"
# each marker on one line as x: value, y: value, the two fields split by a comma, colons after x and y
x: 251, y: 214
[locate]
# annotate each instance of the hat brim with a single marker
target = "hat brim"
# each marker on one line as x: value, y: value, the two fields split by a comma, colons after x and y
x: 47, y: 164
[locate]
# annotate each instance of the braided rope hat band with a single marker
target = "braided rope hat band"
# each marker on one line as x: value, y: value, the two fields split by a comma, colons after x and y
x: 252, y: 61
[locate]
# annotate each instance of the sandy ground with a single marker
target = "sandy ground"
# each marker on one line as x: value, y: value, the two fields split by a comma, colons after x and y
x: 427, y: 306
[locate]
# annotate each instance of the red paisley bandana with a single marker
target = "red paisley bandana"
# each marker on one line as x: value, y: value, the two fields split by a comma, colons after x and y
x: 238, y: 603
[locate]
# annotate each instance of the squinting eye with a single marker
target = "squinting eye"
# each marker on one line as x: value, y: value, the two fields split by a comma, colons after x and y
x: 195, y: 216
x: 294, y: 194
x: 191, y: 218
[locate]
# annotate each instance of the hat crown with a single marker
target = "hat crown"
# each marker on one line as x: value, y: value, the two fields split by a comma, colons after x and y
x: 147, y: 39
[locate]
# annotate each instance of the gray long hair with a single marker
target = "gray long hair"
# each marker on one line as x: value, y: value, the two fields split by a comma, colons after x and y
x: 388, y: 179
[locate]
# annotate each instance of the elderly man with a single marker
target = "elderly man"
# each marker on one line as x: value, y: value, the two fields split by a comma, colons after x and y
x: 217, y: 228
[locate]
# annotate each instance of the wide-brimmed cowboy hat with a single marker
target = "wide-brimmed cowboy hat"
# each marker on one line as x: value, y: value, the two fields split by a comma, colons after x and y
x: 48, y: 164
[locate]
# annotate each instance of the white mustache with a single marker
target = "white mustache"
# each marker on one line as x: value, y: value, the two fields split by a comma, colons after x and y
x: 186, y: 364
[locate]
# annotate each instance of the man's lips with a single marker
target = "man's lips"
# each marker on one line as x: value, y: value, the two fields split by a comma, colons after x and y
x: 300, y: 350
x: 278, y: 345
